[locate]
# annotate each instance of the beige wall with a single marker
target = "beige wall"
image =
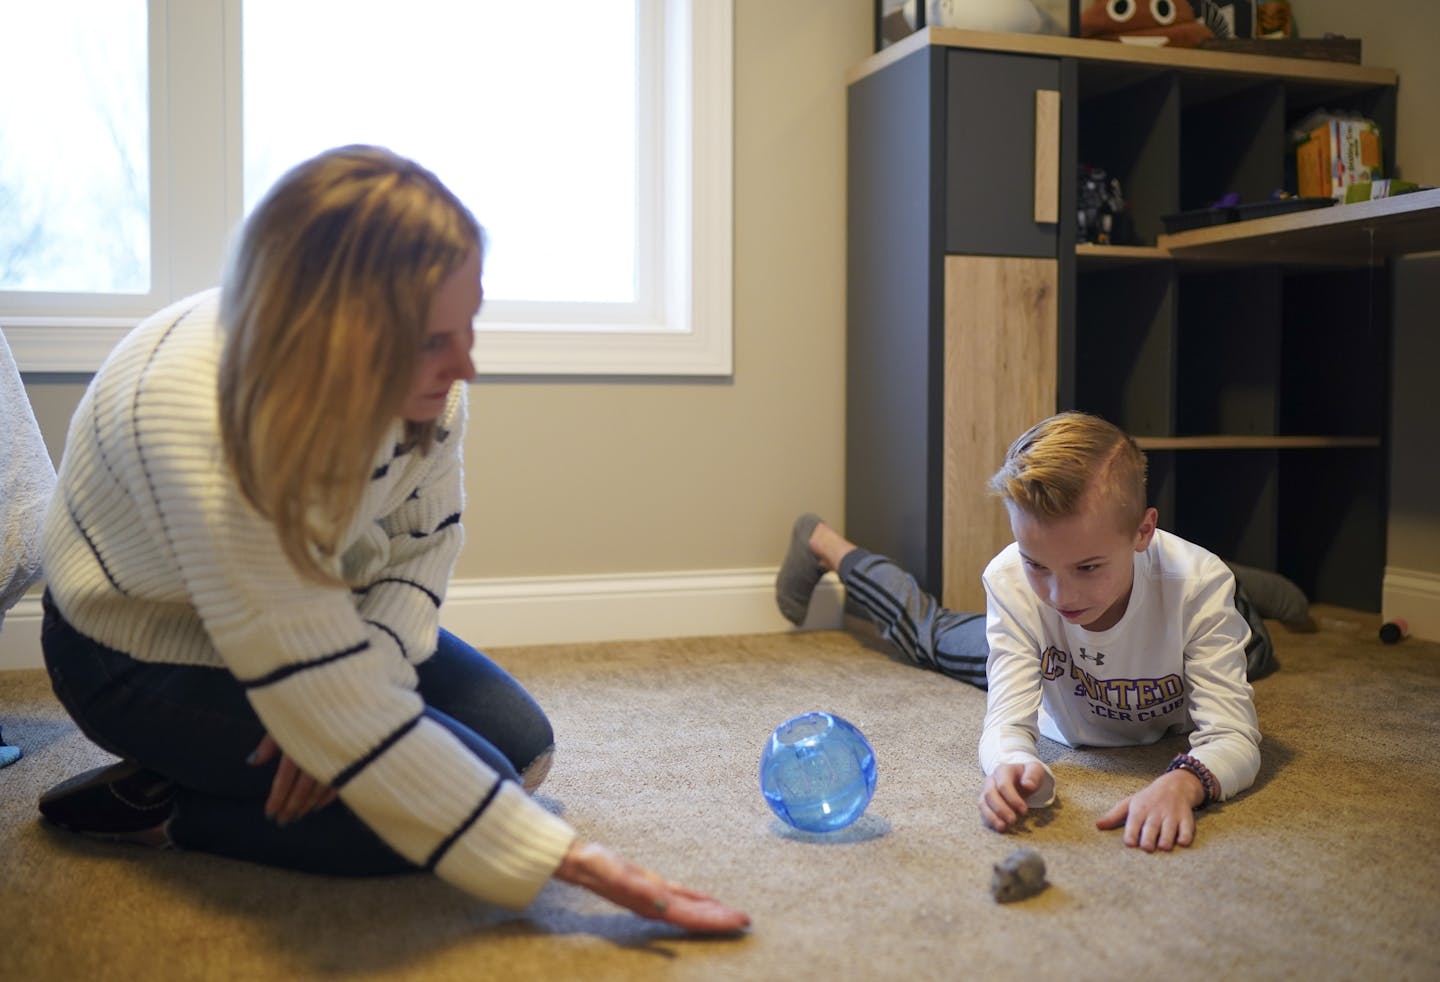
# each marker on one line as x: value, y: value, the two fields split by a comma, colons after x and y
x: 569, y: 477
x: 1403, y: 34
x: 1398, y: 34
x: 650, y: 476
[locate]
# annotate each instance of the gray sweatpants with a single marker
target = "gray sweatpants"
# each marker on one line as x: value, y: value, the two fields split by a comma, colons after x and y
x: 948, y: 641
x: 953, y: 642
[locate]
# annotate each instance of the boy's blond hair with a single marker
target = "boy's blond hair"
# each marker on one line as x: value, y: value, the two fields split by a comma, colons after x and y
x: 1053, y: 466
x: 325, y: 302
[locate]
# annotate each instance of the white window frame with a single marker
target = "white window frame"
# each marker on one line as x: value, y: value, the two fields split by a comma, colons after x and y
x: 195, y: 140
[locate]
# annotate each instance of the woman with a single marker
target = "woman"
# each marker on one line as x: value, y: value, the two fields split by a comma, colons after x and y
x: 256, y: 519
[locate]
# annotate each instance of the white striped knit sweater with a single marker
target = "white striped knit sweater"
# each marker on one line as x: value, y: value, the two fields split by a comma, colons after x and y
x: 150, y: 549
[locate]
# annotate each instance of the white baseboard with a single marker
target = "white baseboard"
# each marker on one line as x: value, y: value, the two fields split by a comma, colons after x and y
x: 565, y: 610
x: 1413, y: 595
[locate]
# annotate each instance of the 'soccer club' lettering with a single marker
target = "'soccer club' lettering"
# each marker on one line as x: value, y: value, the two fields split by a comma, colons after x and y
x: 1128, y: 700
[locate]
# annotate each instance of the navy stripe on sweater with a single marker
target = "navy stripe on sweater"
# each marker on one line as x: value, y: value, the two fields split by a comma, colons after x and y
x: 94, y: 549
x: 393, y: 636
x: 362, y: 590
x: 471, y: 819
x: 140, y: 455
x: 345, y: 776
x: 396, y: 452
x: 285, y: 671
x: 100, y: 446
x: 449, y: 520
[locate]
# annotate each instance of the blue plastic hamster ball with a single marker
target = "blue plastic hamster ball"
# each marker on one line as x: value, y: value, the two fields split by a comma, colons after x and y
x: 817, y: 772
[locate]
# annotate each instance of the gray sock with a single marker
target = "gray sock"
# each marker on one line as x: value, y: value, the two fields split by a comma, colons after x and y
x: 799, y: 572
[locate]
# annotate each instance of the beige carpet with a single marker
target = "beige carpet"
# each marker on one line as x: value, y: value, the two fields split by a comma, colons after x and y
x: 1328, y: 869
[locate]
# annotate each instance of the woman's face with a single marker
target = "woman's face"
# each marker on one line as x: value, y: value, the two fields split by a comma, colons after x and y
x: 449, y: 335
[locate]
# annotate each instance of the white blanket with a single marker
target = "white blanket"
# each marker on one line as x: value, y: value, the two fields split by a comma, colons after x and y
x: 27, y: 480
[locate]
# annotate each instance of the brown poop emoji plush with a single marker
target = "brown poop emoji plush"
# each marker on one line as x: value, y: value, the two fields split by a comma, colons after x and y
x: 1157, y: 22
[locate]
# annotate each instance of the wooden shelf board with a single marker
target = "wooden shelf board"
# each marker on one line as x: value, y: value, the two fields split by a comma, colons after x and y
x: 1353, y: 234
x: 1223, y: 442
x: 1188, y: 59
x: 1092, y: 255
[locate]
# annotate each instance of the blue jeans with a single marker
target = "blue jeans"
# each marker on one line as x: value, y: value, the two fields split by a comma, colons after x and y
x: 194, y: 725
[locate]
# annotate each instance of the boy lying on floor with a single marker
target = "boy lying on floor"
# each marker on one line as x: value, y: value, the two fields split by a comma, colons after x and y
x: 1101, y: 630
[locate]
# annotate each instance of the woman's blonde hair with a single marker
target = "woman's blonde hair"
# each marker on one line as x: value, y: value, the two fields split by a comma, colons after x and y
x: 325, y: 300
x: 1053, y: 466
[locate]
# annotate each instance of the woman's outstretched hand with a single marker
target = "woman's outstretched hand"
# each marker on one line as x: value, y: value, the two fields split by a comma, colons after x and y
x: 293, y: 793
x: 605, y: 872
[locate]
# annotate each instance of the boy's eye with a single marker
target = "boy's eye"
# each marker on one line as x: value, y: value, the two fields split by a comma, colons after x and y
x: 1089, y: 567
x: 435, y: 342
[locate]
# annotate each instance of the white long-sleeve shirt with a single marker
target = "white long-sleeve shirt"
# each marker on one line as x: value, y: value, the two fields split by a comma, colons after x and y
x: 151, y: 549
x: 1175, y: 663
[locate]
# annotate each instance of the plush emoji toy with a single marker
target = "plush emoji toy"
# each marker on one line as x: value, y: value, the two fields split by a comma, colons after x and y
x: 1153, y: 22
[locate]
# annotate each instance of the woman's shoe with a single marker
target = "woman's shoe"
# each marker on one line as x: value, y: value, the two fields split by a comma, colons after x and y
x: 111, y: 802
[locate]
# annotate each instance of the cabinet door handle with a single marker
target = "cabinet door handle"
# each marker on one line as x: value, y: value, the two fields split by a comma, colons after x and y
x: 1047, y: 156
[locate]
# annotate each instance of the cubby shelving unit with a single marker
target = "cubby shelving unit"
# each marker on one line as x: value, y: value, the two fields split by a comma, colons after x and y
x: 1249, y: 359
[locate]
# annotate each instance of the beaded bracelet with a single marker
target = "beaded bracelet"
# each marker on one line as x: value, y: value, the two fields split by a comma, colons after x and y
x: 1184, y: 762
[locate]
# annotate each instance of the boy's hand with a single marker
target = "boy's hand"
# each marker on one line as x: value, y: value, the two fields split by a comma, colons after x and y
x: 1162, y: 815
x: 1003, y: 799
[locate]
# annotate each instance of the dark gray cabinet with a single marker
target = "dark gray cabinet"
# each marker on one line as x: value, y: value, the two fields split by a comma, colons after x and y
x: 1250, y: 361
x: 954, y: 292
x: 988, y: 183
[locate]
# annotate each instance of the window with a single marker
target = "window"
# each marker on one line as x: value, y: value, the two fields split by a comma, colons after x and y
x: 592, y: 140
x: 74, y: 199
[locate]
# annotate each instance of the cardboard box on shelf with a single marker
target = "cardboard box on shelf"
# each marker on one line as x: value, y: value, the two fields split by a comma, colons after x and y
x: 1381, y: 188
x: 1338, y: 154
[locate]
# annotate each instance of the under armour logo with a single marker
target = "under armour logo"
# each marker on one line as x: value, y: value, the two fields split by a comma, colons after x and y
x: 1098, y: 658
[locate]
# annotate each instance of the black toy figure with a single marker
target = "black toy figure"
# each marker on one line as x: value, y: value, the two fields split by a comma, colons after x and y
x: 1099, y: 205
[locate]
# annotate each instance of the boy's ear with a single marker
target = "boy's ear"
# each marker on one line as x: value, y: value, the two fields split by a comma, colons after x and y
x: 1146, y: 532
